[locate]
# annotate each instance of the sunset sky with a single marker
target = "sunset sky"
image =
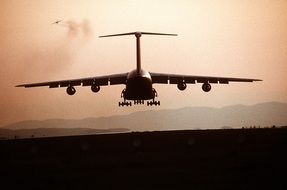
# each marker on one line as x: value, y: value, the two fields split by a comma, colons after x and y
x: 230, y: 38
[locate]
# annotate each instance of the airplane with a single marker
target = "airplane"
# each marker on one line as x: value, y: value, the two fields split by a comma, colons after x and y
x: 138, y: 82
x: 57, y: 22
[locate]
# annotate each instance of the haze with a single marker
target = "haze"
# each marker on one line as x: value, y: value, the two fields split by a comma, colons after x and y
x: 218, y: 38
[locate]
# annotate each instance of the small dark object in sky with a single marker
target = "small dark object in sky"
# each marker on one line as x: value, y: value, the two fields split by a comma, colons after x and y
x: 57, y: 22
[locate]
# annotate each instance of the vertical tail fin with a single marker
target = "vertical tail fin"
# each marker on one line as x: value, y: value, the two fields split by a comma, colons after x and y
x: 138, y: 35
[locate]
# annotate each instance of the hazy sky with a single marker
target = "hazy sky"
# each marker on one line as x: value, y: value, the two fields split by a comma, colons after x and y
x: 232, y: 38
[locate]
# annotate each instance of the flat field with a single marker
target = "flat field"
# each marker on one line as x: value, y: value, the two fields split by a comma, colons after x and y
x: 192, y: 159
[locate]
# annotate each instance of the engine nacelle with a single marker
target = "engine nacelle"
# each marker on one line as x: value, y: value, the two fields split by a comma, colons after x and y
x: 71, y: 90
x: 181, y: 86
x: 206, y: 87
x: 95, y: 88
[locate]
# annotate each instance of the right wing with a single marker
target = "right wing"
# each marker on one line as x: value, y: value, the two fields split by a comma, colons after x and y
x: 98, y: 80
x: 164, y: 78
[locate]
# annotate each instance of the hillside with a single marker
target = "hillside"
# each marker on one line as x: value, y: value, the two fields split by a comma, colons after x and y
x: 236, y: 116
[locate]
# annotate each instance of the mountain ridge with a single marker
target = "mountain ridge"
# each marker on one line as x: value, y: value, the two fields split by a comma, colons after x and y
x: 203, y: 117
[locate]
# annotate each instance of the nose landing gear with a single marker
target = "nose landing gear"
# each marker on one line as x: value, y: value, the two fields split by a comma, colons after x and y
x: 139, y: 102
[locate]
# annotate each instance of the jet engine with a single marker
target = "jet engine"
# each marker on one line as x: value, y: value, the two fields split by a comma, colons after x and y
x: 71, y: 90
x: 181, y: 86
x: 95, y: 88
x: 206, y: 87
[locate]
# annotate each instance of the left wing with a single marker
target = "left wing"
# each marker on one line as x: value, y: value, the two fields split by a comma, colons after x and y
x: 163, y: 78
x: 98, y: 80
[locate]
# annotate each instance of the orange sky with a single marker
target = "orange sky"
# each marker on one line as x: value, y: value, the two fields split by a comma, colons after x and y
x: 232, y: 38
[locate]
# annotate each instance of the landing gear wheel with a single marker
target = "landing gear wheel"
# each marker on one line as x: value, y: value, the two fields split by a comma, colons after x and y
x: 124, y: 103
x: 151, y: 103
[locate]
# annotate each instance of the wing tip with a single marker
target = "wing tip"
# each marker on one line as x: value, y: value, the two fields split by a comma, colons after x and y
x: 22, y: 85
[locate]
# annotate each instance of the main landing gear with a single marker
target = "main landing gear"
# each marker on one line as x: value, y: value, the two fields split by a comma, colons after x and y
x: 151, y: 103
x: 125, y: 103
x: 128, y: 103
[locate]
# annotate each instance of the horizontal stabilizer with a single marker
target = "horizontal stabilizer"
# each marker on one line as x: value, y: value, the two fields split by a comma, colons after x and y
x: 138, y: 34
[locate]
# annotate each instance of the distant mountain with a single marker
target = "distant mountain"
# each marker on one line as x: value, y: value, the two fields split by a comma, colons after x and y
x: 264, y: 114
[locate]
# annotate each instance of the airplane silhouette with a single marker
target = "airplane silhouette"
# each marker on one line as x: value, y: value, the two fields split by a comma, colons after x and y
x: 138, y: 82
x: 57, y: 22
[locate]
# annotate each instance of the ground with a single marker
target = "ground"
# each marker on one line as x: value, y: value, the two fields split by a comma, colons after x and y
x: 193, y: 159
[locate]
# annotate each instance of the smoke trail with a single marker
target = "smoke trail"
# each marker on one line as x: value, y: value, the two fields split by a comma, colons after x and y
x: 78, y: 29
x: 55, y: 57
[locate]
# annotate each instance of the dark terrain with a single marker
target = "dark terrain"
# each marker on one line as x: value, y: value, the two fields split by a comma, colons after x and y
x: 197, y: 159
x: 53, y: 132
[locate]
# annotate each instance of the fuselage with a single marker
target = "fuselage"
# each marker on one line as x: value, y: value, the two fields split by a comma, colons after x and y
x: 139, y: 86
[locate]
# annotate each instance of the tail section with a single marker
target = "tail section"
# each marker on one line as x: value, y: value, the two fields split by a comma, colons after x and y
x: 138, y: 35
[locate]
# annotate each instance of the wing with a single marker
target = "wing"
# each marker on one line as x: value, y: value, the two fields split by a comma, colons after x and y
x: 176, y: 79
x: 98, y: 80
